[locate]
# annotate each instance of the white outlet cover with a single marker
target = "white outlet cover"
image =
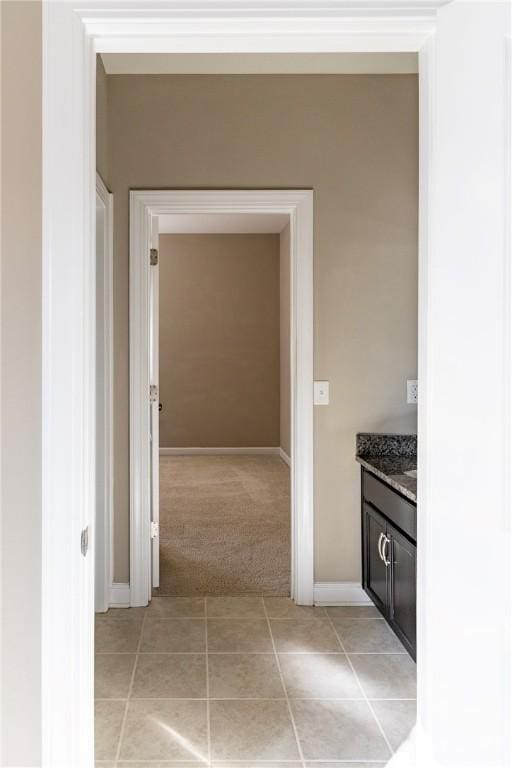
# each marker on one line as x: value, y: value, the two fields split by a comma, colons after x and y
x: 321, y: 393
x: 412, y: 391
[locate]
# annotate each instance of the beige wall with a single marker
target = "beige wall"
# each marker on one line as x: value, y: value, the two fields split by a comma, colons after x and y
x: 219, y: 340
x: 284, y: 308
x: 102, y: 156
x: 21, y: 289
x: 354, y: 140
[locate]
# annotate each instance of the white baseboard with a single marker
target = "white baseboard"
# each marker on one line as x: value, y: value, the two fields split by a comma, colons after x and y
x: 340, y: 593
x: 120, y: 596
x: 325, y: 593
x: 284, y: 456
x: 273, y: 450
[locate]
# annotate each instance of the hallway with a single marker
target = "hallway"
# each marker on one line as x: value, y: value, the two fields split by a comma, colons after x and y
x: 252, y: 680
x: 224, y: 525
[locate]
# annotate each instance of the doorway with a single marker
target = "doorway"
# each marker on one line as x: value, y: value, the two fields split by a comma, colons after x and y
x: 463, y: 703
x: 288, y: 211
x: 224, y: 392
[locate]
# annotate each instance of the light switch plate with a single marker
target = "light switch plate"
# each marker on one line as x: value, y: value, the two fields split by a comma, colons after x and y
x: 321, y: 393
x: 412, y: 391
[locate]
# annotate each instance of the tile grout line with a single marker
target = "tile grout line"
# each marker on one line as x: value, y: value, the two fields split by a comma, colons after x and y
x: 244, y: 698
x: 221, y: 763
x: 254, y: 653
x: 130, y: 688
x: 381, y: 729
x: 208, y: 726
x: 292, y: 718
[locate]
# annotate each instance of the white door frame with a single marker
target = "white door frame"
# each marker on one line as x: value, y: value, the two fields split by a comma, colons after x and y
x: 449, y: 726
x: 154, y: 379
x: 298, y: 205
x: 103, y: 523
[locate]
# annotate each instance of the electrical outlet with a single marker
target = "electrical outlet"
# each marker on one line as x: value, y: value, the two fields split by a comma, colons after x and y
x: 321, y: 393
x: 412, y: 391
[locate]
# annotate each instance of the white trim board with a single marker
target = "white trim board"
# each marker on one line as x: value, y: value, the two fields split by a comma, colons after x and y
x: 297, y: 205
x: 103, y: 528
x: 119, y: 595
x: 340, y: 593
x: 220, y: 451
x: 284, y: 457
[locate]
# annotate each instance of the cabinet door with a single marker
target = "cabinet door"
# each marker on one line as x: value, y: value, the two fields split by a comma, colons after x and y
x: 403, y: 588
x: 376, y: 578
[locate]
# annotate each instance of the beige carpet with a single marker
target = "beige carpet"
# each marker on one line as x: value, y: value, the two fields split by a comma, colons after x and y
x: 224, y: 525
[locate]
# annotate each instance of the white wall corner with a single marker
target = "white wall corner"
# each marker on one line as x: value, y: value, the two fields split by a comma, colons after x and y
x: 284, y: 456
x: 340, y: 593
x: 119, y: 595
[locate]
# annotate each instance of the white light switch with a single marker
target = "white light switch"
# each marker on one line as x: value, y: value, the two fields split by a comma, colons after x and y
x: 321, y: 393
x: 412, y: 391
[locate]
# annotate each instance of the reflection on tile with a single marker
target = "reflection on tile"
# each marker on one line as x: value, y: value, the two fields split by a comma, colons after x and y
x: 319, y: 676
x: 239, y: 635
x: 117, y: 635
x: 367, y: 636
x: 173, y: 636
x: 165, y: 730
x: 252, y: 730
x: 177, y: 607
x: 108, y: 718
x: 354, y: 612
x: 256, y: 764
x: 112, y: 675
x: 338, y: 730
x: 285, y: 608
x: 396, y: 718
x: 296, y: 635
x: 235, y: 607
x: 175, y: 676
x: 152, y: 764
x: 240, y: 675
x: 386, y: 676
x: 343, y: 764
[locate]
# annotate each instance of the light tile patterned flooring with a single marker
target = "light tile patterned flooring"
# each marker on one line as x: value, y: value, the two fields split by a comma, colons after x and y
x: 241, y: 682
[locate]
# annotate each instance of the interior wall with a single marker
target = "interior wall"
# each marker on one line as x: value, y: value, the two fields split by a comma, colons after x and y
x: 219, y: 340
x: 21, y: 290
x: 354, y: 140
x: 284, y: 350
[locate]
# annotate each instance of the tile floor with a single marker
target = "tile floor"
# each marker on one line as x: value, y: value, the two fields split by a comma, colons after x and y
x: 239, y: 682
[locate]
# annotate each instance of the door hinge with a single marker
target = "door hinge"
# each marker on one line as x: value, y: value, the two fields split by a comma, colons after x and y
x: 84, y: 541
x: 153, y: 393
x: 153, y: 256
x: 154, y: 530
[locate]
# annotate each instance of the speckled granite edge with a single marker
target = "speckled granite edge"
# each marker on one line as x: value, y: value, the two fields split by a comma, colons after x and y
x: 385, y: 444
x: 400, y: 482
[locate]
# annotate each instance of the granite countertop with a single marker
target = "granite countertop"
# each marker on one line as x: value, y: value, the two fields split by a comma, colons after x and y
x: 388, y: 457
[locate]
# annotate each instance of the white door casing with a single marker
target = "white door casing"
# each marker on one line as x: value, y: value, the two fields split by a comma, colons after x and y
x: 104, y: 396
x: 145, y: 206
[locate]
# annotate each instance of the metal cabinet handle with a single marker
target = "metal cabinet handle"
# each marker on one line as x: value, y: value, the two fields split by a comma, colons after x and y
x: 379, y: 546
x: 384, y: 551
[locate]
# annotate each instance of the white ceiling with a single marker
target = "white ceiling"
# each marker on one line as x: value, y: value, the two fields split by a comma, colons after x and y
x: 222, y: 223
x: 259, y: 63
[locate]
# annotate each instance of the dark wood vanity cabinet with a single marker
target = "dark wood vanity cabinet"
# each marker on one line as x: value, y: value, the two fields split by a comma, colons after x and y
x: 389, y: 556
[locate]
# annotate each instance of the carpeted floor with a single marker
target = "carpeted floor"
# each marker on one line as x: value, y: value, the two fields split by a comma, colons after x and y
x: 224, y: 525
